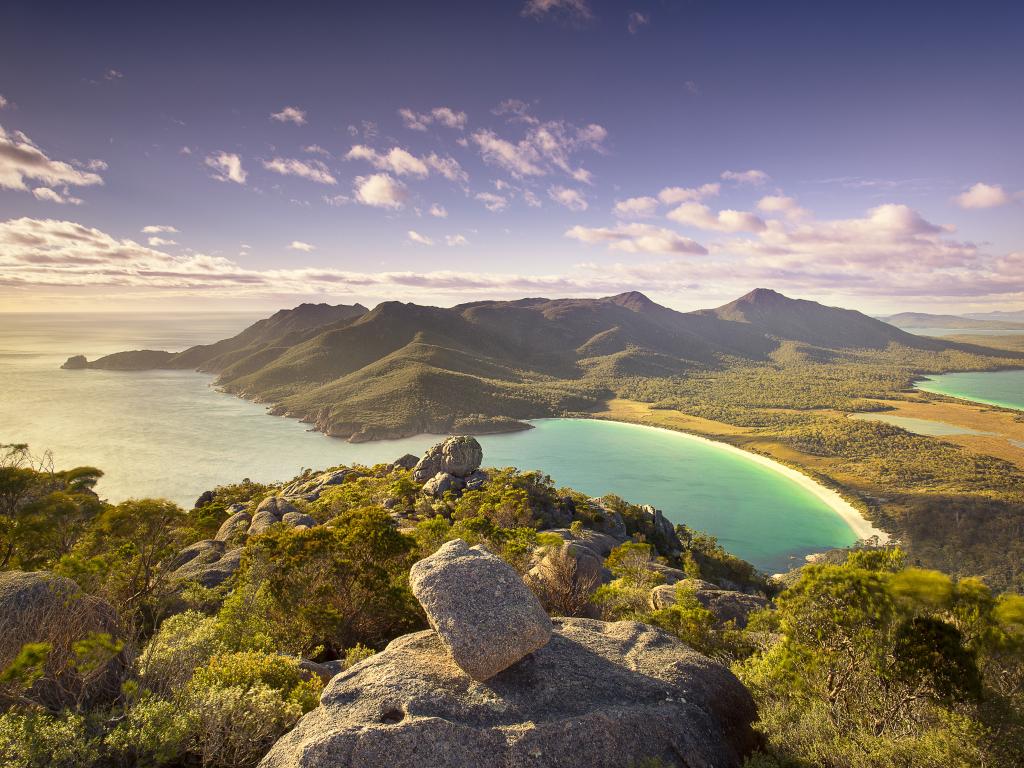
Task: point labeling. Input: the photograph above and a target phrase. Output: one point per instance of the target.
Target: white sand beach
(852, 516)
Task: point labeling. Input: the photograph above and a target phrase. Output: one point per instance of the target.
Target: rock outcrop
(596, 696)
(210, 563)
(459, 456)
(234, 526)
(40, 607)
(76, 363)
(482, 611)
(725, 604)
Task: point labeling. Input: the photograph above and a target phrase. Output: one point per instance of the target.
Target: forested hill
(403, 369)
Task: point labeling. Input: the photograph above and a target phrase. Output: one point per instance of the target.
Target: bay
(171, 434)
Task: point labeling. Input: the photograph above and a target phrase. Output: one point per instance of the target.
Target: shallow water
(965, 331)
(169, 433)
(920, 426)
(1005, 388)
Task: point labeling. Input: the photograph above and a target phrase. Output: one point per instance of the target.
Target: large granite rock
(405, 461)
(459, 456)
(596, 696)
(40, 607)
(485, 615)
(210, 563)
(234, 526)
(440, 484)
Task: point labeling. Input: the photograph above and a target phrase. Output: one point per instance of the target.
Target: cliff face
(486, 366)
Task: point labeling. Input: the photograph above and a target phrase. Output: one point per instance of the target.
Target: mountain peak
(633, 300)
(763, 296)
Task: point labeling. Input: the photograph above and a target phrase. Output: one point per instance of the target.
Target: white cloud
(401, 162)
(380, 190)
(636, 20)
(531, 199)
(782, 205)
(396, 160)
(516, 110)
(3, 101)
(314, 170)
(573, 9)
(439, 211)
(158, 241)
(518, 159)
(700, 216)
(544, 148)
(492, 202)
(456, 240)
(673, 195)
(753, 176)
(419, 239)
(637, 238)
(337, 200)
(889, 252)
(983, 195)
(227, 167)
(570, 198)
(21, 159)
(290, 115)
(113, 74)
(52, 196)
(636, 207)
(156, 229)
(316, 149)
(298, 245)
(420, 121)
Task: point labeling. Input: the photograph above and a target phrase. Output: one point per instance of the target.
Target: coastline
(961, 396)
(849, 514)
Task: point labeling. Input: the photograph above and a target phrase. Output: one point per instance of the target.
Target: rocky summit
(599, 695)
(482, 611)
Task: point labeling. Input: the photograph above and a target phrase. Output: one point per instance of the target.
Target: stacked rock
(484, 614)
(451, 465)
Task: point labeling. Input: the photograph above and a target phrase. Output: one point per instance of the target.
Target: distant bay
(1003, 388)
(169, 433)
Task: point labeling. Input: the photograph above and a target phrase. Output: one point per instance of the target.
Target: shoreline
(849, 514)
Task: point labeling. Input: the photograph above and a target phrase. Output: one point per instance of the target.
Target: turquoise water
(1005, 388)
(170, 434)
(965, 331)
(920, 426)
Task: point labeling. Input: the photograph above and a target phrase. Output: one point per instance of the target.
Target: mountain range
(402, 369)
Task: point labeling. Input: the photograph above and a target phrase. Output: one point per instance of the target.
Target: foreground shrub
(42, 740)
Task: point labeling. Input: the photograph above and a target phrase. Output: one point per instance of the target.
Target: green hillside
(403, 369)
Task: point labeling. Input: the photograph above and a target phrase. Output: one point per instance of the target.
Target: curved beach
(860, 525)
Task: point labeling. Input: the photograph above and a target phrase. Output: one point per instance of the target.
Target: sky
(221, 156)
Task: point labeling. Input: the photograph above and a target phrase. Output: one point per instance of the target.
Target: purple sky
(245, 157)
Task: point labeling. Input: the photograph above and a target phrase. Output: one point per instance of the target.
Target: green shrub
(36, 739)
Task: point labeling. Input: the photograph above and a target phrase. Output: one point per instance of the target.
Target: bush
(334, 585)
(42, 740)
(252, 669)
(235, 727)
